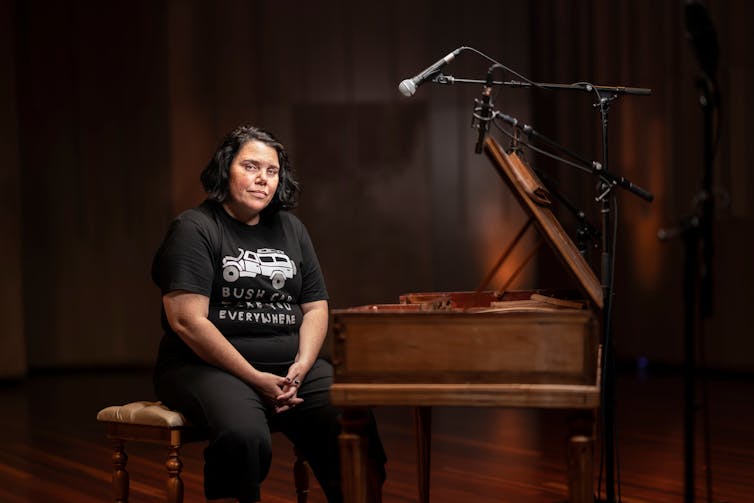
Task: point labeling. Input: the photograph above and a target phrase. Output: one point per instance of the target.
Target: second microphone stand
(608, 182)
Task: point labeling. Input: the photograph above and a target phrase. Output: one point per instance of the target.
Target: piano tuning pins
(443, 303)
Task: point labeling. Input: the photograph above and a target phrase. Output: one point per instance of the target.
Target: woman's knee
(245, 437)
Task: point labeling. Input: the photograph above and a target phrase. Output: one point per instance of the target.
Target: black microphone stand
(605, 95)
(608, 375)
(709, 100)
(697, 233)
(605, 187)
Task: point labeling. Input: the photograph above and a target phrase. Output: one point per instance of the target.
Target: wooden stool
(154, 423)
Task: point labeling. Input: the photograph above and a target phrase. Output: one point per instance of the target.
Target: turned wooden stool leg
(301, 476)
(175, 484)
(120, 475)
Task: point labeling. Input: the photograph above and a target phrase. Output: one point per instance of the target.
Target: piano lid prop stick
(504, 256)
(499, 293)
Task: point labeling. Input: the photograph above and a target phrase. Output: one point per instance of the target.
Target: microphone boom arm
(440, 78)
(593, 167)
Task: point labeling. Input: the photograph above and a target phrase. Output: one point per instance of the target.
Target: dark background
(112, 109)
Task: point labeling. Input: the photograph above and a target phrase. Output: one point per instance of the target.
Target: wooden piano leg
(353, 455)
(423, 424)
(581, 458)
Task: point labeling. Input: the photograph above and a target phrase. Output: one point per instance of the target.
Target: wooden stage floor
(53, 450)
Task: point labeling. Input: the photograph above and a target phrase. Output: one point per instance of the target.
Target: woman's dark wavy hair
(215, 176)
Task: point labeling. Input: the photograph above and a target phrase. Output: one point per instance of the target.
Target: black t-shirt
(256, 278)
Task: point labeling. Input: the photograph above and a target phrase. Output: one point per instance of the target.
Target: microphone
(485, 113)
(408, 86)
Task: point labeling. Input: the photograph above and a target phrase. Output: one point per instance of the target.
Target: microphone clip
(483, 112)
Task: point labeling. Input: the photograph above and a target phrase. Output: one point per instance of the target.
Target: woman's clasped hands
(279, 391)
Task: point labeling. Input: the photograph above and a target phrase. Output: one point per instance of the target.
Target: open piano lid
(533, 199)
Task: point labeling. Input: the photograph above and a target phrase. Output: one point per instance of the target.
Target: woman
(245, 315)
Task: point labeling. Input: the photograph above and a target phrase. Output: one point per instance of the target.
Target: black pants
(238, 423)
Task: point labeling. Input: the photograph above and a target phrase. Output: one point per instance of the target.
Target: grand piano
(536, 349)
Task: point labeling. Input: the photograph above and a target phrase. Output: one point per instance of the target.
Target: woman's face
(253, 180)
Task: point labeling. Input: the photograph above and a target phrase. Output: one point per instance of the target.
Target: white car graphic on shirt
(268, 262)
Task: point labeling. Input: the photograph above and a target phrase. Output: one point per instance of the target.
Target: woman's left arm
(311, 337)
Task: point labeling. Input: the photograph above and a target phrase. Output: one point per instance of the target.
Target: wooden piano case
(486, 348)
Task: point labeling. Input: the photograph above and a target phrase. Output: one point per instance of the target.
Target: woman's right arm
(187, 314)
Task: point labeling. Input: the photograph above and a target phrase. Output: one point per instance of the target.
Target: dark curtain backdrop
(114, 109)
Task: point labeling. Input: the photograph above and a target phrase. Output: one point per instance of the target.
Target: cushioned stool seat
(153, 422)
